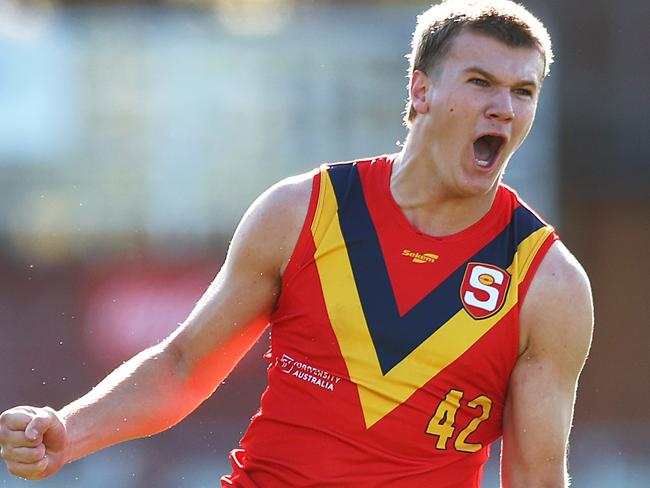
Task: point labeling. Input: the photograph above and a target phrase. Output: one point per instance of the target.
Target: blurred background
(133, 136)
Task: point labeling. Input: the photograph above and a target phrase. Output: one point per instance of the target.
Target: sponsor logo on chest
(420, 258)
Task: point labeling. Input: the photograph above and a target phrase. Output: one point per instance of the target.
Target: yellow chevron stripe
(527, 250)
(380, 394)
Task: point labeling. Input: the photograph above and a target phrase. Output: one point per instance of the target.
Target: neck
(428, 202)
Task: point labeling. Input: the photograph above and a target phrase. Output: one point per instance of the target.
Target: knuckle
(4, 416)
(5, 452)
(49, 411)
(14, 418)
(36, 455)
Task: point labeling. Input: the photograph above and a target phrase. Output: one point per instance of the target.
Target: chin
(475, 187)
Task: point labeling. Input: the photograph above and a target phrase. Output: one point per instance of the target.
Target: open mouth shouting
(487, 149)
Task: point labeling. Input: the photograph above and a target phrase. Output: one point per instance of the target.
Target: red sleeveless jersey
(391, 350)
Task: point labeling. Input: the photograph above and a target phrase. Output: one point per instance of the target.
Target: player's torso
(391, 350)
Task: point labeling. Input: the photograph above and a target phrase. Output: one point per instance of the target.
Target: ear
(419, 91)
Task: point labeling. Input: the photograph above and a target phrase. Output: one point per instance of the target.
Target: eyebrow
(492, 78)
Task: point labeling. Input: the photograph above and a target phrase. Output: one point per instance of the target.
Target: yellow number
(486, 406)
(442, 422)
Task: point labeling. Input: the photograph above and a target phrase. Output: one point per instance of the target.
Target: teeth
(482, 163)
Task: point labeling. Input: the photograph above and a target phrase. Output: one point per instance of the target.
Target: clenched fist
(32, 442)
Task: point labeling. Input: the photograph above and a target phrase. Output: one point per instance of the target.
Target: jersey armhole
(534, 265)
(304, 244)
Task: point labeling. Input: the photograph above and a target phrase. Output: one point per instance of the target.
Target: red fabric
(310, 429)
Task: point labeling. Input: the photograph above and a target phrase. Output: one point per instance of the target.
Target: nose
(500, 107)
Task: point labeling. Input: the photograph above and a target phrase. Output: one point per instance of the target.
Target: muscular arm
(556, 324)
(163, 384)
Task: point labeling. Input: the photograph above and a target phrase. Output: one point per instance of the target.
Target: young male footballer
(420, 310)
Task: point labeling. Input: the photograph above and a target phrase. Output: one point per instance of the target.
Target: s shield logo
(484, 289)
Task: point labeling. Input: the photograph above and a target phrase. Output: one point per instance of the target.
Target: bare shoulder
(560, 275)
(289, 197)
(270, 227)
(557, 315)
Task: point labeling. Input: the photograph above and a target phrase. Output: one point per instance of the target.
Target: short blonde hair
(503, 20)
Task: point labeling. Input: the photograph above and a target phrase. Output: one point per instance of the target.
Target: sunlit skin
(481, 87)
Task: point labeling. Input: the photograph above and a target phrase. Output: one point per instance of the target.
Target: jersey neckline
(472, 231)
